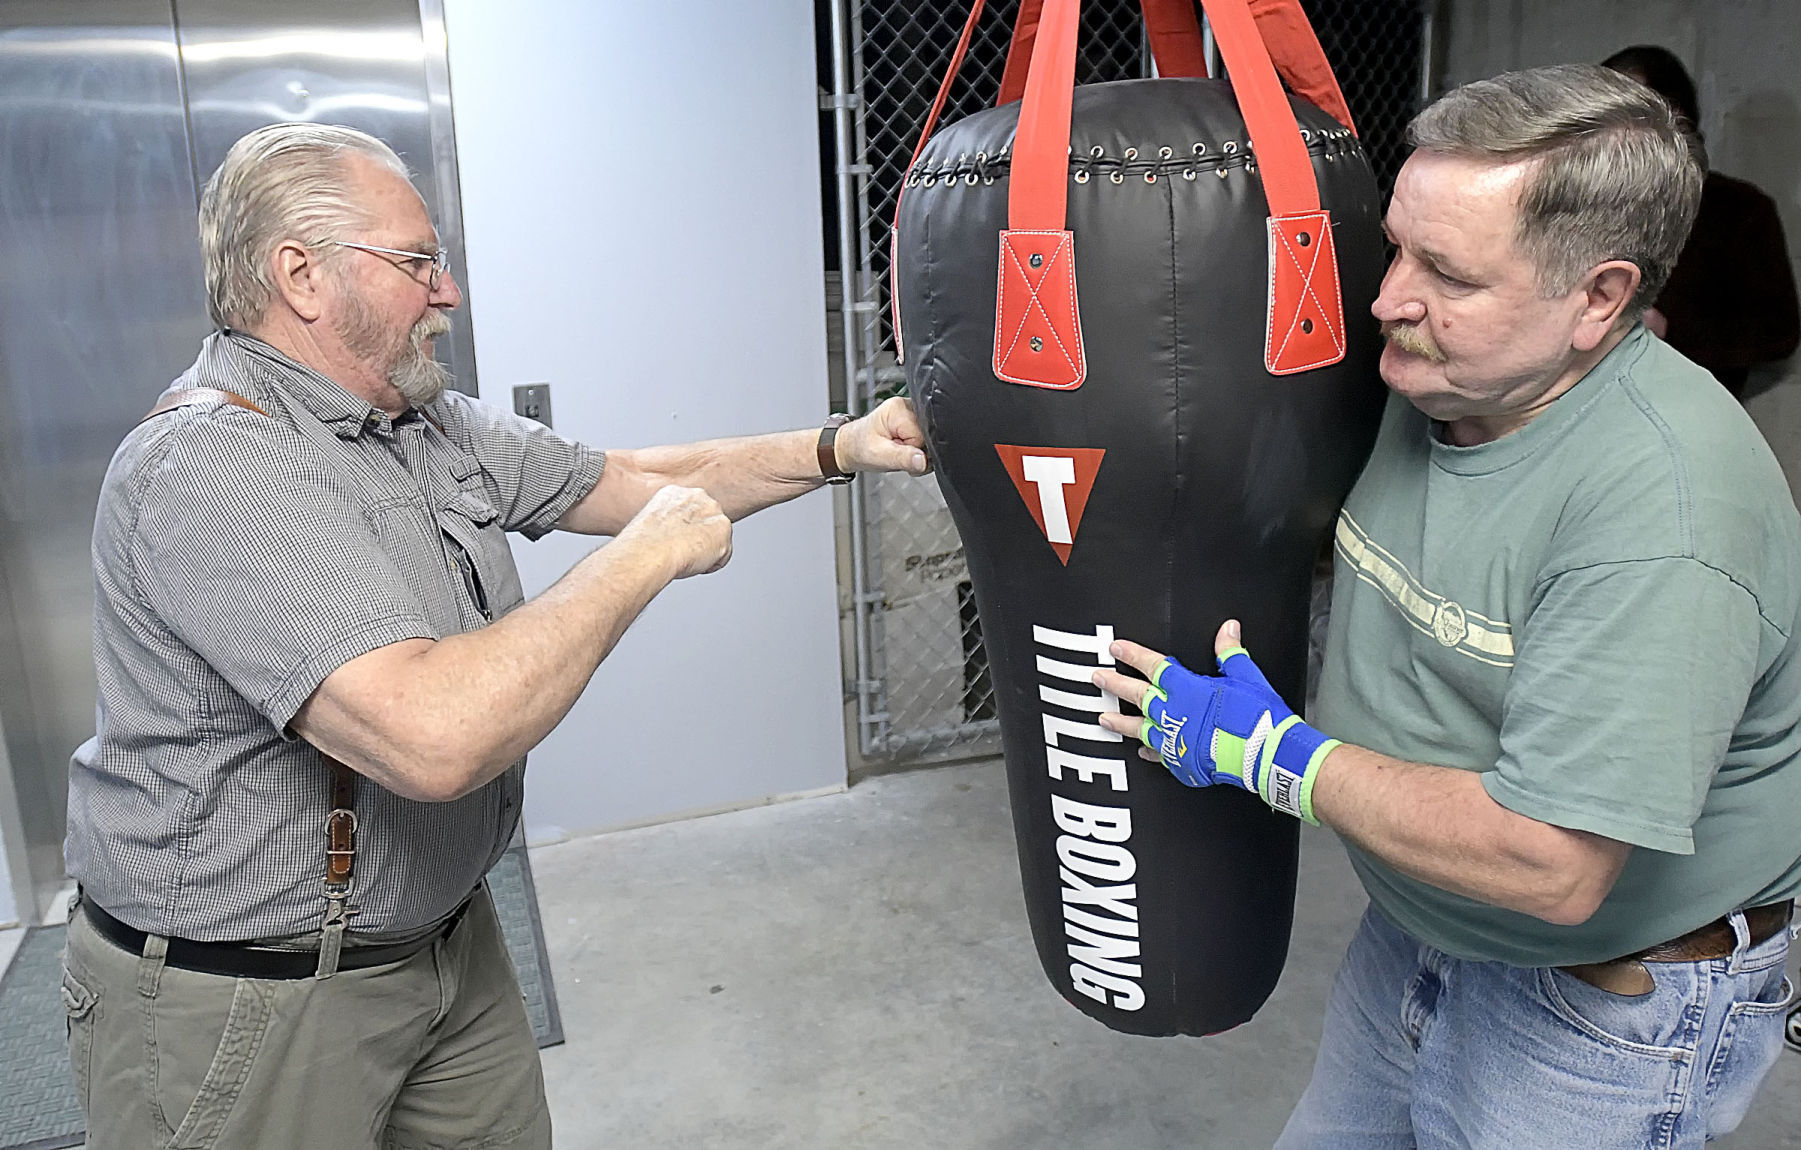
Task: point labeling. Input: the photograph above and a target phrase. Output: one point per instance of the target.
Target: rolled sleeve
(1630, 680)
(251, 551)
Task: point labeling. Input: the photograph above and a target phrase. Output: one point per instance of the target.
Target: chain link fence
(921, 680)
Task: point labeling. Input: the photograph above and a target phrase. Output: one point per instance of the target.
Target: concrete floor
(855, 972)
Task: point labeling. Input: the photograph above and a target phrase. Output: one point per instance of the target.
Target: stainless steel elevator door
(101, 305)
(112, 112)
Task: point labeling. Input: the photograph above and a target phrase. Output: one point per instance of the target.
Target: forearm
(744, 474)
(1438, 825)
(436, 720)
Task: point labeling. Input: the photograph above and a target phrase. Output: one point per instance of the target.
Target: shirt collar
(1550, 425)
(347, 415)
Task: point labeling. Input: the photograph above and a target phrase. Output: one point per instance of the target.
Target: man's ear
(1606, 291)
(299, 279)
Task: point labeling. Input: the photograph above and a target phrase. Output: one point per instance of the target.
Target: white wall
(1742, 56)
(640, 189)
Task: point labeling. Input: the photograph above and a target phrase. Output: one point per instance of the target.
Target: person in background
(1730, 304)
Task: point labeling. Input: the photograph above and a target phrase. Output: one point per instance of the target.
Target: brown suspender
(187, 396)
(340, 825)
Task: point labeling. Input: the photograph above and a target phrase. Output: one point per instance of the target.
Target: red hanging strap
(1175, 37)
(1297, 54)
(1019, 52)
(1304, 318)
(944, 91)
(1177, 46)
(1275, 137)
(1038, 175)
(1038, 338)
(1037, 328)
(1170, 25)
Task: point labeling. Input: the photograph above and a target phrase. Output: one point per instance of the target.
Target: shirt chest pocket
(476, 550)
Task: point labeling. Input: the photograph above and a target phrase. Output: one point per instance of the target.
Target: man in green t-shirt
(1564, 663)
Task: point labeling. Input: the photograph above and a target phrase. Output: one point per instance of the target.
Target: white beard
(408, 368)
(415, 374)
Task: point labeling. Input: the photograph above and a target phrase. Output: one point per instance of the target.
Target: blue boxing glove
(1233, 728)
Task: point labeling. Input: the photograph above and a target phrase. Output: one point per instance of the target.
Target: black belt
(243, 960)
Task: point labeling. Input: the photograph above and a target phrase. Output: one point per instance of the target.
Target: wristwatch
(828, 449)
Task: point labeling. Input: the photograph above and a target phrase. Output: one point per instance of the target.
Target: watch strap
(828, 449)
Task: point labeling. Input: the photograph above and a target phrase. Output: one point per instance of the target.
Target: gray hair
(280, 182)
(1616, 174)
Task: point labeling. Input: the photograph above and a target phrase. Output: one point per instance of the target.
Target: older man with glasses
(319, 679)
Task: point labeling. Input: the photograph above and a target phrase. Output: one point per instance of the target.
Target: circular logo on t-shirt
(1449, 624)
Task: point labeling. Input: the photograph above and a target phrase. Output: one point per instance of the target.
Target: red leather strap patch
(1306, 309)
(1037, 332)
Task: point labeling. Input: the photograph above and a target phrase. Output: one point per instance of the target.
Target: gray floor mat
(37, 1102)
(516, 901)
(38, 1110)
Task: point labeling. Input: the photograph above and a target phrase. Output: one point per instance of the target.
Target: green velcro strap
(1228, 755)
(1144, 733)
(1229, 652)
(1312, 776)
(1157, 674)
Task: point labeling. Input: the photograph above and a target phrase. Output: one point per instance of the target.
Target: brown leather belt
(1627, 974)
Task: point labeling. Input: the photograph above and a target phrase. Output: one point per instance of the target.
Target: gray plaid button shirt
(238, 560)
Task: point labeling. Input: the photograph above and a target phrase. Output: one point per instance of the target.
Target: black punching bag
(1144, 424)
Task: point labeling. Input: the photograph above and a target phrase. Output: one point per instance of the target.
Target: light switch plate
(532, 400)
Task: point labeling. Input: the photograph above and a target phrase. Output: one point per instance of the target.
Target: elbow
(433, 787)
(438, 770)
(1572, 909)
(1570, 893)
(1560, 875)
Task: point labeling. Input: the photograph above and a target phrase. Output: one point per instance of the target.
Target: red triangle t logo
(1054, 482)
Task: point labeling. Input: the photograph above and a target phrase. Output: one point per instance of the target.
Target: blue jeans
(1424, 1050)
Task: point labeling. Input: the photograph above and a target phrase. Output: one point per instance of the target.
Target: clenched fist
(688, 526)
(887, 439)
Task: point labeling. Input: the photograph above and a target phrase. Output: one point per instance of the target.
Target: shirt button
(372, 420)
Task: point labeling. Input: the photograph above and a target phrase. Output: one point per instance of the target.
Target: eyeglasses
(438, 260)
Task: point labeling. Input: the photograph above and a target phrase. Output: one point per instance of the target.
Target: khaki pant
(432, 1052)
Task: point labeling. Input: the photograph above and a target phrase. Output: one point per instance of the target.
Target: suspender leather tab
(340, 865)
